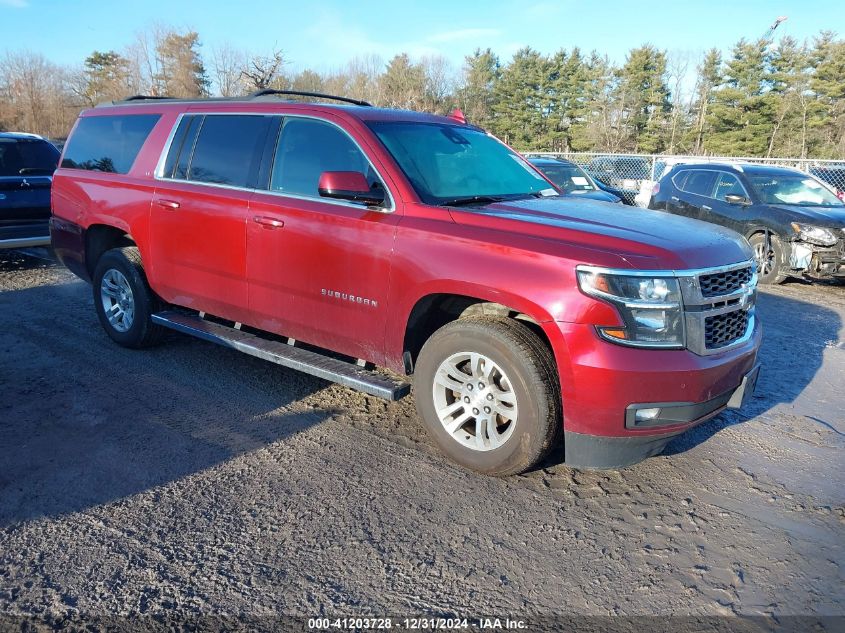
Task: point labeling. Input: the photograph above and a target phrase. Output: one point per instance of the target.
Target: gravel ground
(189, 479)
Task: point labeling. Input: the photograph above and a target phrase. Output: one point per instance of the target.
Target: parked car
(571, 179)
(334, 238)
(27, 163)
(621, 175)
(833, 176)
(662, 166)
(794, 223)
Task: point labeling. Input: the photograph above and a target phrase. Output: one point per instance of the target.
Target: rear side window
(227, 151)
(22, 157)
(700, 182)
(108, 143)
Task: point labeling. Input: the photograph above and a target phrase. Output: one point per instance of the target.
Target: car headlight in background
(650, 307)
(814, 234)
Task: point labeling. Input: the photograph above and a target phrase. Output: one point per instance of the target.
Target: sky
(324, 35)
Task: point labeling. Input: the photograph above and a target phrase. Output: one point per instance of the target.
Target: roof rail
(298, 93)
(145, 97)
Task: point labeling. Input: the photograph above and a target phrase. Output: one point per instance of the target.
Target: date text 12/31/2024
(416, 624)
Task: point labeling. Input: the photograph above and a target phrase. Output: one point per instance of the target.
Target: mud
(189, 479)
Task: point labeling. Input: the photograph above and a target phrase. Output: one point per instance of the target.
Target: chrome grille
(723, 329)
(724, 283)
(718, 306)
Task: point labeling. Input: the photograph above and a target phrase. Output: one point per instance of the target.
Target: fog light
(644, 415)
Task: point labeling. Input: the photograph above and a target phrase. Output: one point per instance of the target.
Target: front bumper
(820, 262)
(601, 382)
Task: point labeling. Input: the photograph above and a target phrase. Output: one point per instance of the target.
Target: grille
(724, 329)
(724, 283)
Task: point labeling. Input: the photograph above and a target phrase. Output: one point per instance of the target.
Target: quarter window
(108, 143)
(307, 148)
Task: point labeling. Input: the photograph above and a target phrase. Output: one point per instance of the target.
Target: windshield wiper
(467, 200)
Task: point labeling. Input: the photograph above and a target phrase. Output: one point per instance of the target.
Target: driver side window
(307, 148)
(728, 185)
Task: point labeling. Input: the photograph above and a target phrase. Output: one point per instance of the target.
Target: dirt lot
(190, 479)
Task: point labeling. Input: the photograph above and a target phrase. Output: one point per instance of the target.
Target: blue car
(572, 180)
(27, 163)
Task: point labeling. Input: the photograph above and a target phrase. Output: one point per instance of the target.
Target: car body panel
(348, 278)
(25, 197)
(760, 217)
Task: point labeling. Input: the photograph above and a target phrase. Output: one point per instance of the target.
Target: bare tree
(262, 71)
(228, 66)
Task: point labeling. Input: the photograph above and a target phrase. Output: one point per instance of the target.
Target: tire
(120, 288)
(519, 368)
(774, 263)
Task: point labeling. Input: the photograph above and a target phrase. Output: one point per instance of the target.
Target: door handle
(675, 198)
(706, 208)
(167, 204)
(268, 222)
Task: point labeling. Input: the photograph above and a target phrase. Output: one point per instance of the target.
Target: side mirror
(733, 198)
(349, 185)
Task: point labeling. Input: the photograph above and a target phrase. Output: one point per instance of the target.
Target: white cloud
(463, 34)
(15, 4)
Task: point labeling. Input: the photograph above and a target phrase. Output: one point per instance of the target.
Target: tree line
(783, 99)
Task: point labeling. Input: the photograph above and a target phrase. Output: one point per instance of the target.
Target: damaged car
(794, 223)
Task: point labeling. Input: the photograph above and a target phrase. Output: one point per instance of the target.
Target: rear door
(695, 199)
(200, 210)
(318, 269)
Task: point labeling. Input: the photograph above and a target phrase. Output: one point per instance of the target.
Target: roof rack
(145, 97)
(298, 93)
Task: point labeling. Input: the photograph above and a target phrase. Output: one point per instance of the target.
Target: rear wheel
(769, 258)
(123, 299)
(488, 393)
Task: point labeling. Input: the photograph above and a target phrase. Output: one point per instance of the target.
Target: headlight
(814, 234)
(651, 307)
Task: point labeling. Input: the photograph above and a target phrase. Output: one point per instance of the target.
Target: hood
(604, 196)
(642, 238)
(830, 217)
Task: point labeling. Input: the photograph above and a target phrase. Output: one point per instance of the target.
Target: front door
(733, 216)
(319, 269)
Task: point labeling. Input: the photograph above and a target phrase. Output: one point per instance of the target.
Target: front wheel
(769, 260)
(487, 391)
(123, 299)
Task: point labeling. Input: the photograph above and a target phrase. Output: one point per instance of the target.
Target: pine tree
(476, 95)
(522, 101)
(181, 72)
(106, 77)
(828, 84)
(742, 115)
(709, 77)
(643, 99)
(403, 83)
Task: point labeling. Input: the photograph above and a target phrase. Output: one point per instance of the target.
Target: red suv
(337, 238)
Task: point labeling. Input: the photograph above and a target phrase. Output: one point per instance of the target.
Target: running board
(306, 361)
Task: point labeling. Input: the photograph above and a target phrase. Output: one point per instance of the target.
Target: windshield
(793, 189)
(447, 163)
(21, 157)
(569, 178)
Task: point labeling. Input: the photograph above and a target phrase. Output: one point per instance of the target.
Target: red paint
(347, 278)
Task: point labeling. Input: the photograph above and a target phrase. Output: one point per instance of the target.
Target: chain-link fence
(631, 176)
